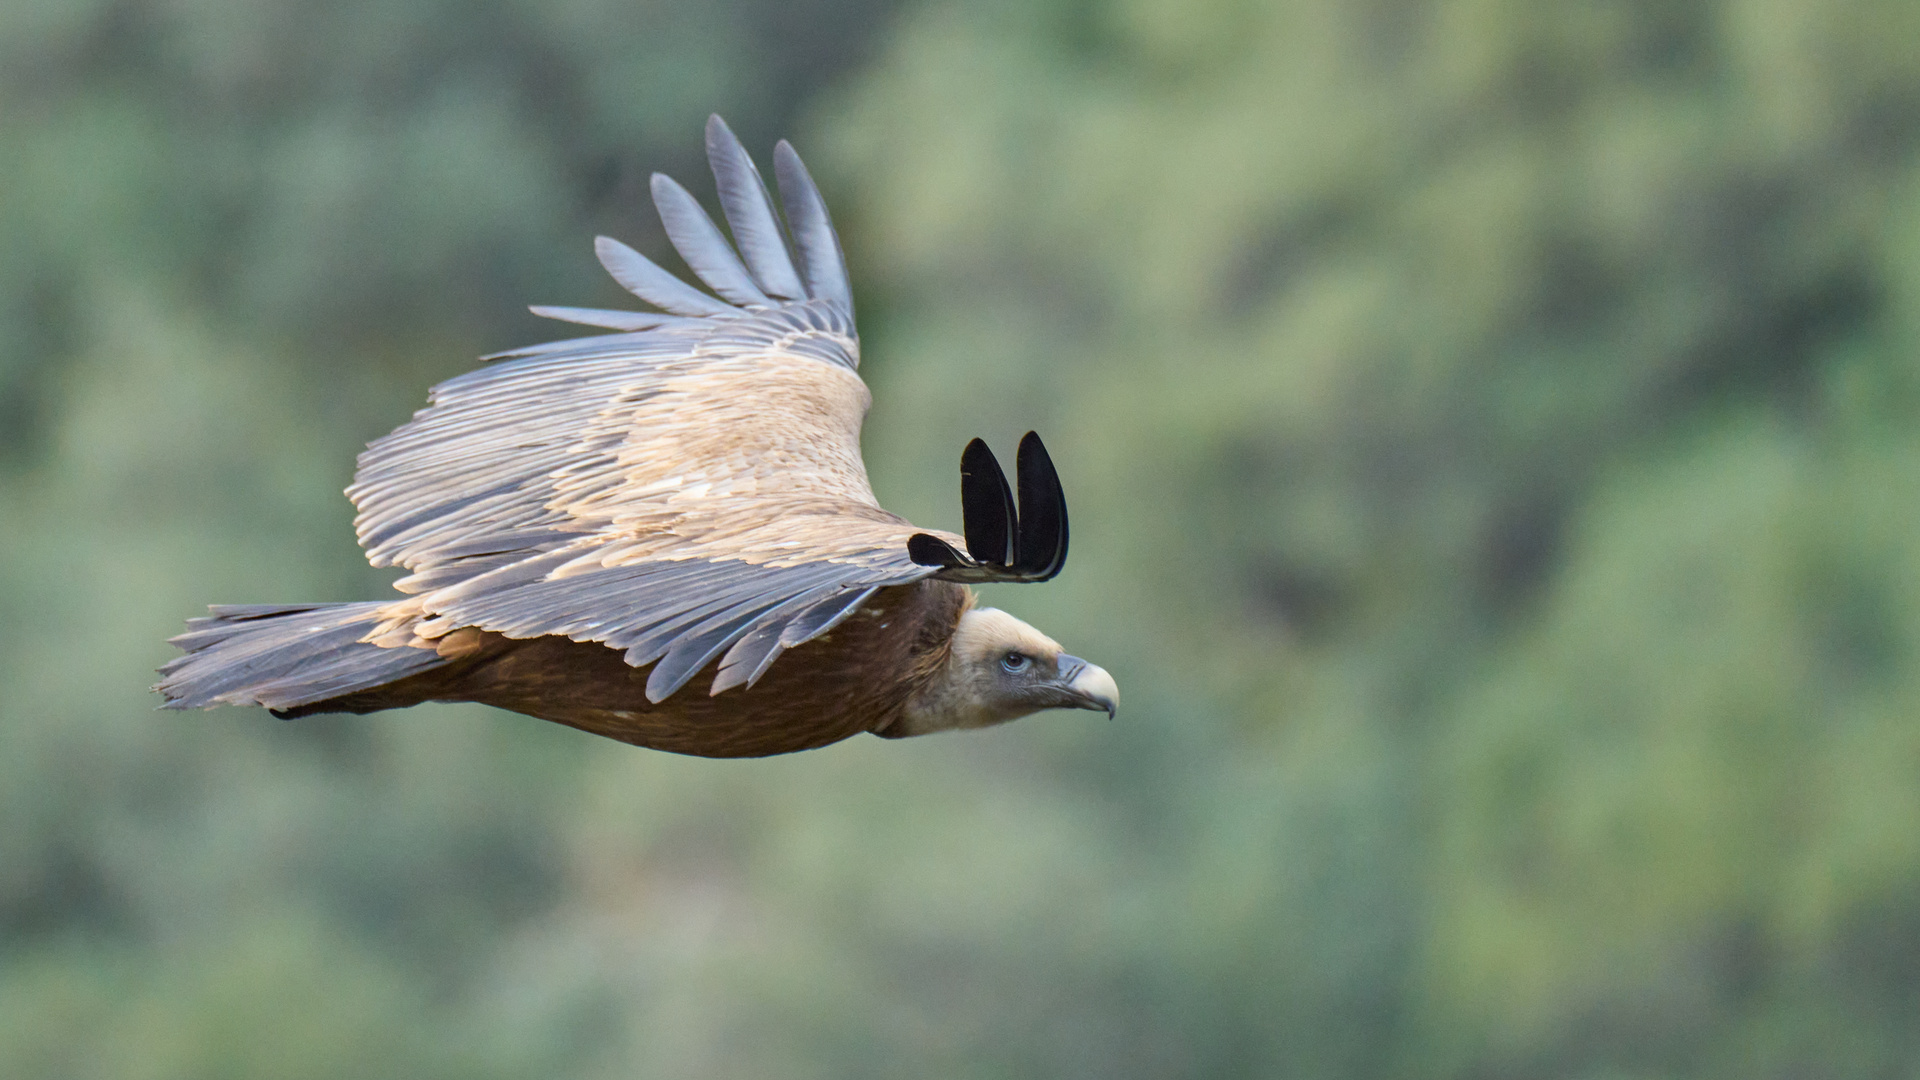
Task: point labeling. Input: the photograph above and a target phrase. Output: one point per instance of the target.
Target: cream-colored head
(1000, 669)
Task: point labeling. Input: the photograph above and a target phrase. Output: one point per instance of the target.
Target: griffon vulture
(591, 524)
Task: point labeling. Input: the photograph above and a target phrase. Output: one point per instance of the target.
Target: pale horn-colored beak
(1088, 686)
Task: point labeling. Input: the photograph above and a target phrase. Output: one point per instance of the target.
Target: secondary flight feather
(591, 524)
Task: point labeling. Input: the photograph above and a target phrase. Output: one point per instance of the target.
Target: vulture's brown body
(856, 679)
(593, 524)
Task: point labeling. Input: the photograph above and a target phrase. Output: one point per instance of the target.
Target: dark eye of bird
(1015, 663)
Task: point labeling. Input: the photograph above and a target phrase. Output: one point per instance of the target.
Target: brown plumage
(591, 524)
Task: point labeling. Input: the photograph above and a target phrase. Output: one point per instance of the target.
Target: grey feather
(823, 616)
(756, 650)
(711, 602)
(452, 573)
(697, 645)
(612, 320)
(676, 615)
(282, 657)
(505, 543)
(749, 659)
(566, 346)
(699, 242)
(819, 246)
(638, 275)
(694, 613)
(693, 652)
(750, 213)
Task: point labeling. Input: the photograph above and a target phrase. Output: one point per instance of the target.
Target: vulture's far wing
(687, 488)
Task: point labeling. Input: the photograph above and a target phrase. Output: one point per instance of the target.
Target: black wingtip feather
(1042, 539)
(932, 551)
(1004, 543)
(986, 505)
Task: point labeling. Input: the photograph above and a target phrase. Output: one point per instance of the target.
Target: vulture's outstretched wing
(687, 488)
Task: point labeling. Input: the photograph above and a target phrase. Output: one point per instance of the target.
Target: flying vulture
(593, 524)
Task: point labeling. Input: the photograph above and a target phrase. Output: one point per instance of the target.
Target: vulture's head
(999, 669)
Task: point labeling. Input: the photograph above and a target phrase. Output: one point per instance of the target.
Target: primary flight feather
(592, 524)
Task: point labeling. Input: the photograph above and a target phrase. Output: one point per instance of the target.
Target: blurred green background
(1493, 435)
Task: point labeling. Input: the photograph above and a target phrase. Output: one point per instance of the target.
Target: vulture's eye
(1015, 663)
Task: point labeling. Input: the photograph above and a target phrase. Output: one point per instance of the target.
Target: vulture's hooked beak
(1087, 686)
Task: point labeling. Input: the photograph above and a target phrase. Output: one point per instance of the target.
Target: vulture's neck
(957, 694)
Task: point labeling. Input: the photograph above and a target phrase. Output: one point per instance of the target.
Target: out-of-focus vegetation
(1493, 432)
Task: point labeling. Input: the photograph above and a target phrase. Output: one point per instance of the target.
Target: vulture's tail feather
(283, 657)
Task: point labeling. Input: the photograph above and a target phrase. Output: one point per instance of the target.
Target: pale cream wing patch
(673, 494)
(696, 427)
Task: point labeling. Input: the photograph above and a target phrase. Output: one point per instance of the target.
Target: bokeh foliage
(1492, 432)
